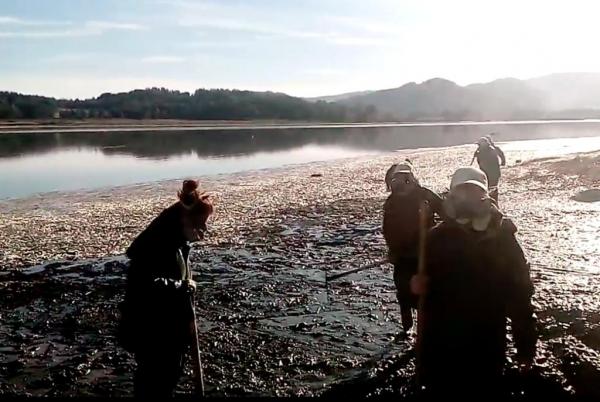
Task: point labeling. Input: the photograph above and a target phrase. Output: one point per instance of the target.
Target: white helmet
(469, 175)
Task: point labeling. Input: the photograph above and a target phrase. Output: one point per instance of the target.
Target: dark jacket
(489, 159)
(156, 311)
(476, 281)
(401, 222)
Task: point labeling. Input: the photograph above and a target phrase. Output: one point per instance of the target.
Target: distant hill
(441, 99)
(553, 96)
(337, 98)
(566, 95)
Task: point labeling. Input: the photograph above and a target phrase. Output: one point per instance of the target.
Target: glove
(189, 286)
(166, 283)
(418, 284)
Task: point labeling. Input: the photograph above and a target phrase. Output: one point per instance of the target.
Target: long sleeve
(388, 229)
(475, 156)
(435, 201)
(501, 155)
(519, 307)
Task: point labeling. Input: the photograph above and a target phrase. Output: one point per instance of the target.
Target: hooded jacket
(476, 281)
(156, 311)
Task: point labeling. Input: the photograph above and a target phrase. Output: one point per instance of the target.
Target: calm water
(36, 163)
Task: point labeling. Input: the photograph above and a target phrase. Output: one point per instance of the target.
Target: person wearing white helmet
(476, 276)
(401, 230)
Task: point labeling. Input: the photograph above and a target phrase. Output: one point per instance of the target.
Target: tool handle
(421, 270)
(186, 273)
(196, 360)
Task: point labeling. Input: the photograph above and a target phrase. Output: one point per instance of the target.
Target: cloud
(42, 34)
(103, 26)
(74, 57)
(365, 25)
(163, 59)
(359, 41)
(275, 24)
(332, 37)
(216, 44)
(88, 28)
(8, 20)
(232, 24)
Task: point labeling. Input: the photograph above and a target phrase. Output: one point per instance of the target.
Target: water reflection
(32, 163)
(218, 143)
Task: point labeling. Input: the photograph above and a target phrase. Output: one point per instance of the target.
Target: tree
(203, 104)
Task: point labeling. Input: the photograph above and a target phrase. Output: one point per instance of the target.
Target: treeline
(161, 103)
(17, 106)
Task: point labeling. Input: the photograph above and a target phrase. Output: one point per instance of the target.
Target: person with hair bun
(156, 313)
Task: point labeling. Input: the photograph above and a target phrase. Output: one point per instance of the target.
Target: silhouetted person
(476, 277)
(156, 313)
(401, 230)
(489, 158)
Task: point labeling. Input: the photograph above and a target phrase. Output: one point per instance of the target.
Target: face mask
(468, 211)
(403, 184)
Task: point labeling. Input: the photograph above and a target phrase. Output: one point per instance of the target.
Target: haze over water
(33, 163)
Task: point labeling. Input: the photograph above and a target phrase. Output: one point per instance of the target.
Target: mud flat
(268, 325)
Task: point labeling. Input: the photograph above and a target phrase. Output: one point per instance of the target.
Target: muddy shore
(268, 325)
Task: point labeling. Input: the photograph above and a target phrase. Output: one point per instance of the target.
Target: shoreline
(194, 125)
(136, 204)
(53, 198)
(256, 174)
(253, 174)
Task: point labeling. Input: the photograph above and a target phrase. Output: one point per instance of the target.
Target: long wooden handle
(186, 273)
(196, 360)
(423, 220)
(364, 267)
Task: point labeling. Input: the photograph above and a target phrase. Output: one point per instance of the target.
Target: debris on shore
(268, 325)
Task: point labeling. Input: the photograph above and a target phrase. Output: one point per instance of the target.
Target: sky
(82, 48)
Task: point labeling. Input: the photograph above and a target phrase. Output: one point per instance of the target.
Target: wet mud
(268, 323)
